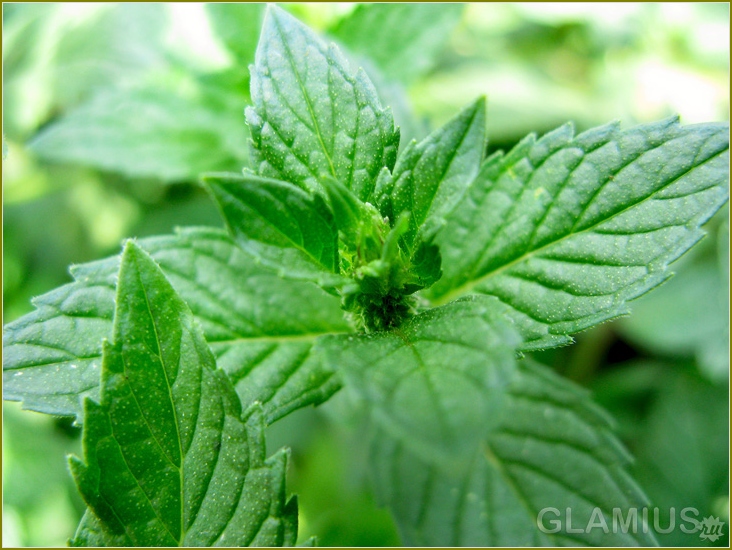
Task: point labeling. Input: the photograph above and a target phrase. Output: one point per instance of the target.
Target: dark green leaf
(148, 133)
(311, 117)
(567, 229)
(169, 458)
(548, 447)
(403, 39)
(260, 327)
(431, 381)
(279, 224)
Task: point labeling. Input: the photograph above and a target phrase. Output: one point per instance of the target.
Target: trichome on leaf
(415, 278)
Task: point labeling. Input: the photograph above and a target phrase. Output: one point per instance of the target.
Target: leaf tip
(131, 251)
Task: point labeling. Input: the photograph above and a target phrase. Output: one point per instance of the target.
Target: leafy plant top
(416, 277)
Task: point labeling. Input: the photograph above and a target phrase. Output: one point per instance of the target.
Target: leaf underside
(260, 327)
(566, 230)
(169, 458)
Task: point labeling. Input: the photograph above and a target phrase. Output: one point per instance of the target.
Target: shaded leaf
(430, 382)
(147, 133)
(687, 317)
(548, 448)
(279, 224)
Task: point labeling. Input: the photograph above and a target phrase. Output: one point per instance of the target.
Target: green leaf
(679, 472)
(147, 133)
(348, 211)
(549, 447)
(115, 46)
(430, 177)
(279, 224)
(687, 317)
(169, 458)
(237, 26)
(260, 327)
(403, 39)
(311, 116)
(567, 229)
(430, 382)
(91, 532)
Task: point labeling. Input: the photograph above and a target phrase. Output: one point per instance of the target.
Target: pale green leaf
(687, 317)
(549, 447)
(403, 39)
(429, 382)
(237, 26)
(678, 471)
(312, 116)
(169, 458)
(566, 230)
(115, 45)
(279, 224)
(260, 327)
(151, 132)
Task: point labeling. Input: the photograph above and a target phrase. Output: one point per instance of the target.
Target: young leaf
(348, 211)
(430, 177)
(549, 448)
(142, 133)
(169, 458)
(403, 39)
(567, 229)
(430, 382)
(279, 224)
(311, 117)
(260, 327)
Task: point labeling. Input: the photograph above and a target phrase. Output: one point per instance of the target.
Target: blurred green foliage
(112, 110)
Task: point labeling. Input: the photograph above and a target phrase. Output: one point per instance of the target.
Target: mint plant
(418, 280)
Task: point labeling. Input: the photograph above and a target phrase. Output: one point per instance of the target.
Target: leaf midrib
(468, 286)
(175, 412)
(318, 133)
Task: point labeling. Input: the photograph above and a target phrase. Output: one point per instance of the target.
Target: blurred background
(110, 112)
